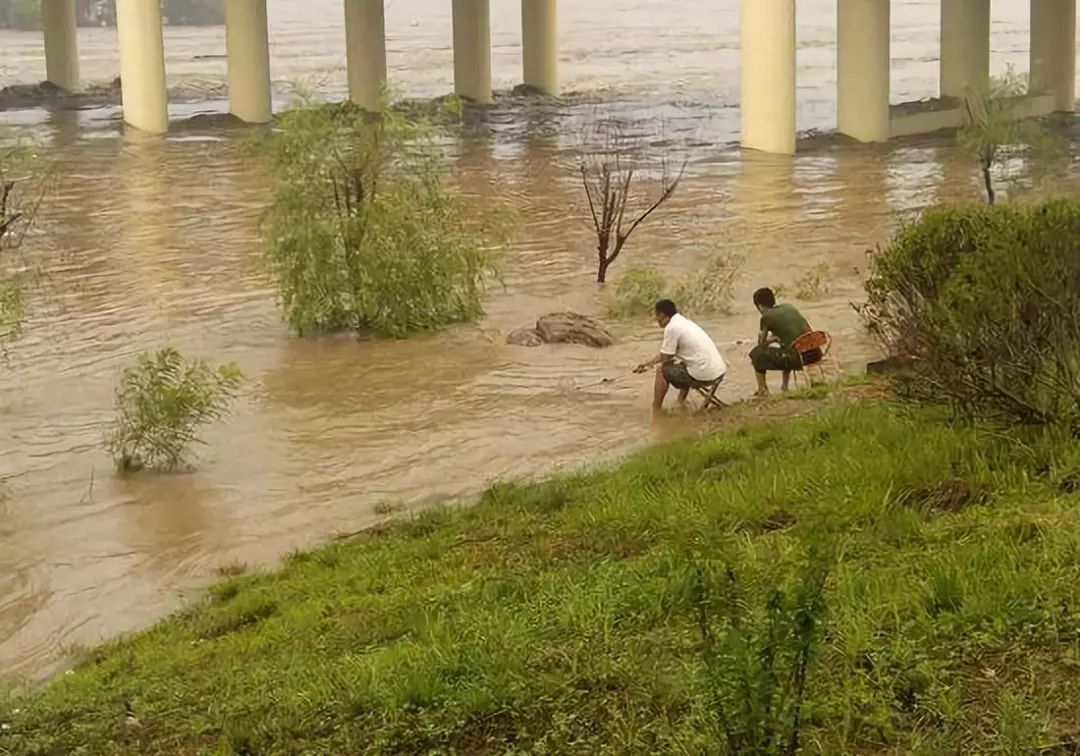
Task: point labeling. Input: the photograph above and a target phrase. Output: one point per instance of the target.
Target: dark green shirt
(785, 323)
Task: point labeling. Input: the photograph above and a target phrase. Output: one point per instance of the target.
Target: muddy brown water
(154, 241)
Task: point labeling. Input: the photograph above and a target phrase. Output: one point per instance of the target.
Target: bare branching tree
(612, 177)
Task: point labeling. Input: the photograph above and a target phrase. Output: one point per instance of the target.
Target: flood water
(147, 242)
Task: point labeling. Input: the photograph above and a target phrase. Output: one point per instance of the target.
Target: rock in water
(571, 328)
(526, 337)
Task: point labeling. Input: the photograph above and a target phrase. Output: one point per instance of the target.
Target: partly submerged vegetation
(870, 579)
(995, 131)
(21, 191)
(162, 402)
(613, 170)
(706, 291)
(26, 14)
(365, 233)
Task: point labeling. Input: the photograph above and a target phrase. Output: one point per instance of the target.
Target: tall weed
(758, 659)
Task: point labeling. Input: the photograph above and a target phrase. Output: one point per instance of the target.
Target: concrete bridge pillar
(61, 43)
(768, 75)
(365, 41)
(247, 42)
(540, 44)
(965, 47)
(1053, 51)
(863, 36)
(142, 65)
(472, 50)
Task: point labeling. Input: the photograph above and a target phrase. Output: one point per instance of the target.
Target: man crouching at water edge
(687, 356)
(781, 327)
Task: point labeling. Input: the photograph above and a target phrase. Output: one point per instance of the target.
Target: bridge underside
(769, 74)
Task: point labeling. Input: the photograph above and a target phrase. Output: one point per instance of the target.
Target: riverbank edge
(115, 678)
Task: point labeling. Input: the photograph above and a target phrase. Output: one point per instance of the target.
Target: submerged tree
(365, 234)
(26, 14)
(20, 198)
(612, 178)
(161, 403)
(20, 14)
(996, 132)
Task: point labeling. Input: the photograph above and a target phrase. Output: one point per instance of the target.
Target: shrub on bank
(365, 234)
(986, 302)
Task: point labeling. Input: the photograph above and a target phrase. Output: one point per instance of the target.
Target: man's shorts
(766, 358)
(676, 374)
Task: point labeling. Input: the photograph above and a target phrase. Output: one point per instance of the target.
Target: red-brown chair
(809, 343)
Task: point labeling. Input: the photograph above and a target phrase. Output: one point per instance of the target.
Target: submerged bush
(995, 132)
(161, 403)
(986, 302)
(26, 14)
(21, 191)
(814, 284)
(706, 291)
(637, 292)
(20, 14)
(364, 234)
(711, 290)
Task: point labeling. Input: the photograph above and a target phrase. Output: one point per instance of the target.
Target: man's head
(665, 311)
(764, 299)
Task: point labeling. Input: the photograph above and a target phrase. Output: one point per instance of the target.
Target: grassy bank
(657, 607)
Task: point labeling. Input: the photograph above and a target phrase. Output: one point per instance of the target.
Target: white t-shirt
(690, 345)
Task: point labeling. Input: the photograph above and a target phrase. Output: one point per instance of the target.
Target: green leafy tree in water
(995, 132)
(364, 234)
(20, 14)
(20, 197)
(161, 403)
(26, 14)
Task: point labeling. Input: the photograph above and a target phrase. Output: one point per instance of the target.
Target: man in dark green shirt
(781, 325)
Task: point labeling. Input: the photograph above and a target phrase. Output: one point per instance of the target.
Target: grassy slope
(560, 617)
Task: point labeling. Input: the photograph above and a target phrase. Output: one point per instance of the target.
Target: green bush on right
(985, 303)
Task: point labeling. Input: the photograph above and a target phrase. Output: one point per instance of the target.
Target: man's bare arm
(659, 359)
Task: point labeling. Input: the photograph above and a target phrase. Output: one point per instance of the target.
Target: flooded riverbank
(153, 241)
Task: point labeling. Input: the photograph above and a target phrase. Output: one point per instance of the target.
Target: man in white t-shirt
(687, 357)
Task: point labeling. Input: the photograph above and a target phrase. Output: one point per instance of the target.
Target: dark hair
(666, 307)
(764, 298)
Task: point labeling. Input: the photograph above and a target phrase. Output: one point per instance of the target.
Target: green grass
(584, 614)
